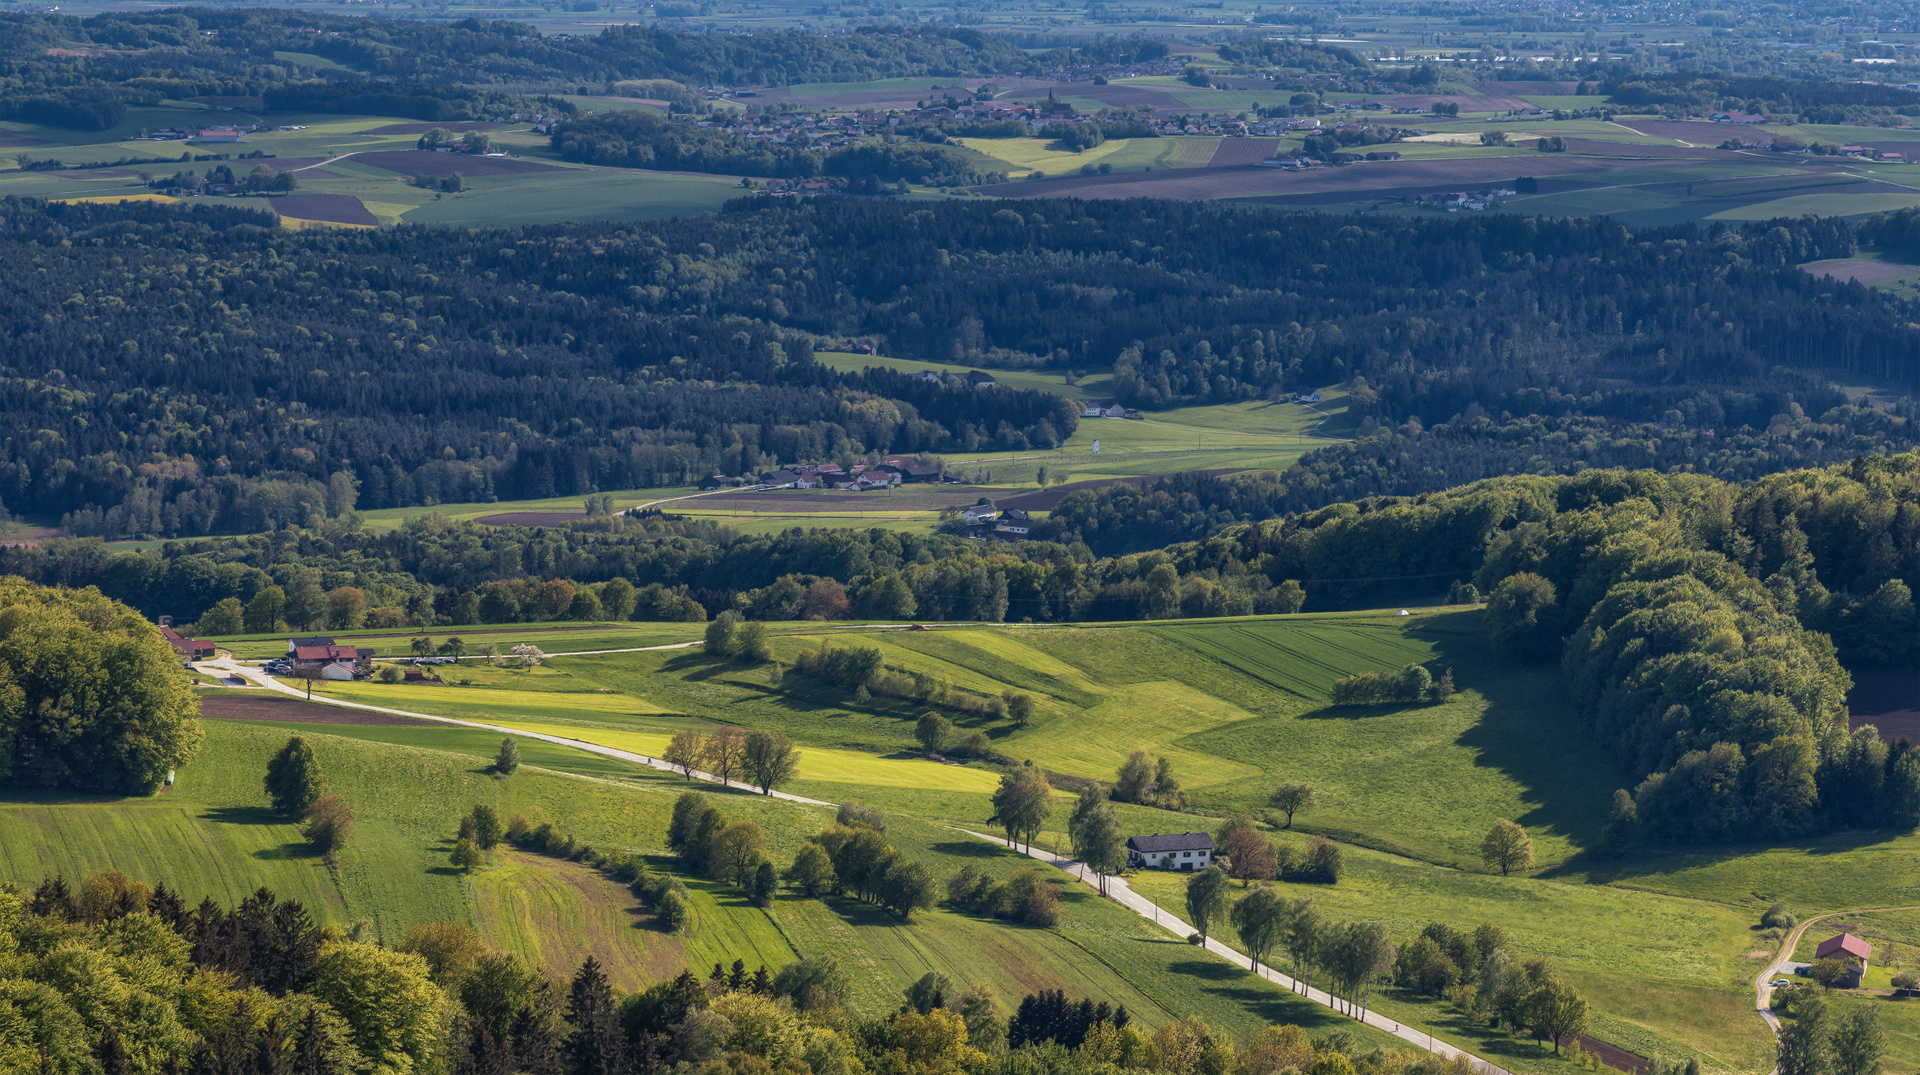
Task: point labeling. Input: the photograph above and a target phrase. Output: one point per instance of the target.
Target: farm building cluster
(857, 478)
(984, 522)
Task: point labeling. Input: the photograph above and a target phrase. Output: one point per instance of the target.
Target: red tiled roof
(325, 653)
(1845, 944)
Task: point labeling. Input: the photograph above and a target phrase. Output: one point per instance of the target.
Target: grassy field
(1028, 155)
(211, 834)
(1238, 706)
(1663, 944)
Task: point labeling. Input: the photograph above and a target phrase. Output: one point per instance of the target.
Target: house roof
(1179, 841)
(325, 653)
(1845, 944)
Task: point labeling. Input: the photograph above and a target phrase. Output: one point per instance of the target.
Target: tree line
(643, 139)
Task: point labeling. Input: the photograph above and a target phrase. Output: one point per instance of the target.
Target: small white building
(1185, 851)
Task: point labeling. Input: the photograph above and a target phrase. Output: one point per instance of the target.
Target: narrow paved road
(229, 666)
(1123, 894)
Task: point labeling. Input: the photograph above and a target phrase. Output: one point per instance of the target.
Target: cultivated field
(355, 171)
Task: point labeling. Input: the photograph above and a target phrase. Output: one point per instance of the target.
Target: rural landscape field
(772, 538)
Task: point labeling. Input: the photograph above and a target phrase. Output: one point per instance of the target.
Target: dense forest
(636, 139)
(262, 378)
(1755, 93)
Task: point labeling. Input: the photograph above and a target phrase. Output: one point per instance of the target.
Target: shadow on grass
(1528, 733)
(1271, 1002)
(1471, 1032)
(970, 849)
(1660, 862)
(695, 666)
(243, 815)
(291, 851)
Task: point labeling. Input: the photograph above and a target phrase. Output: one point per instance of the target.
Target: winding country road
(230, 667)
(1123, 894)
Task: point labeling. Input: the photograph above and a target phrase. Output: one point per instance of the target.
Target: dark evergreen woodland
(261, 378)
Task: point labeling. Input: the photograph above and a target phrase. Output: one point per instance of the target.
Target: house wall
(1176, 860)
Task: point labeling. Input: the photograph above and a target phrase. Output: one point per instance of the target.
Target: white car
(1778, 982)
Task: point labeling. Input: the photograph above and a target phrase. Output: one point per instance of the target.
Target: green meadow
(1664, 944)
(211, 834)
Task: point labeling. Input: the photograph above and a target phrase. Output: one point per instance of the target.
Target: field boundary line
(1122, 893)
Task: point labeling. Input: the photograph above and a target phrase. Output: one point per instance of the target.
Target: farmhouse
(980, 379)
(193, 649)
(1014, 525)
(294, 644)
(335, 662)
(1850, 950)
(1187, 851)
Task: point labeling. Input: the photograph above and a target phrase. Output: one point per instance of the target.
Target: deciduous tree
(1291, 799)
(726, 749)
(770, 758)
(686, 751)
(1021, 803)
(1206, 897)
(1507, 848)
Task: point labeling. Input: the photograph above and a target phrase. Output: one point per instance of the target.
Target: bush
(329, 824)
(1776, 917)
(868, 816)
(847, 667)
(1410, 684)
(674, 911)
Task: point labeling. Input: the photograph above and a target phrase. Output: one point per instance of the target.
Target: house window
(1186, 854)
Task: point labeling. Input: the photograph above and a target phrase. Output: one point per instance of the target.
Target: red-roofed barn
(1850, 950)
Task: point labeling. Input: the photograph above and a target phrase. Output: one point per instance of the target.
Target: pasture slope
(1663, 943)
(1239, 705)
(212, 834)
